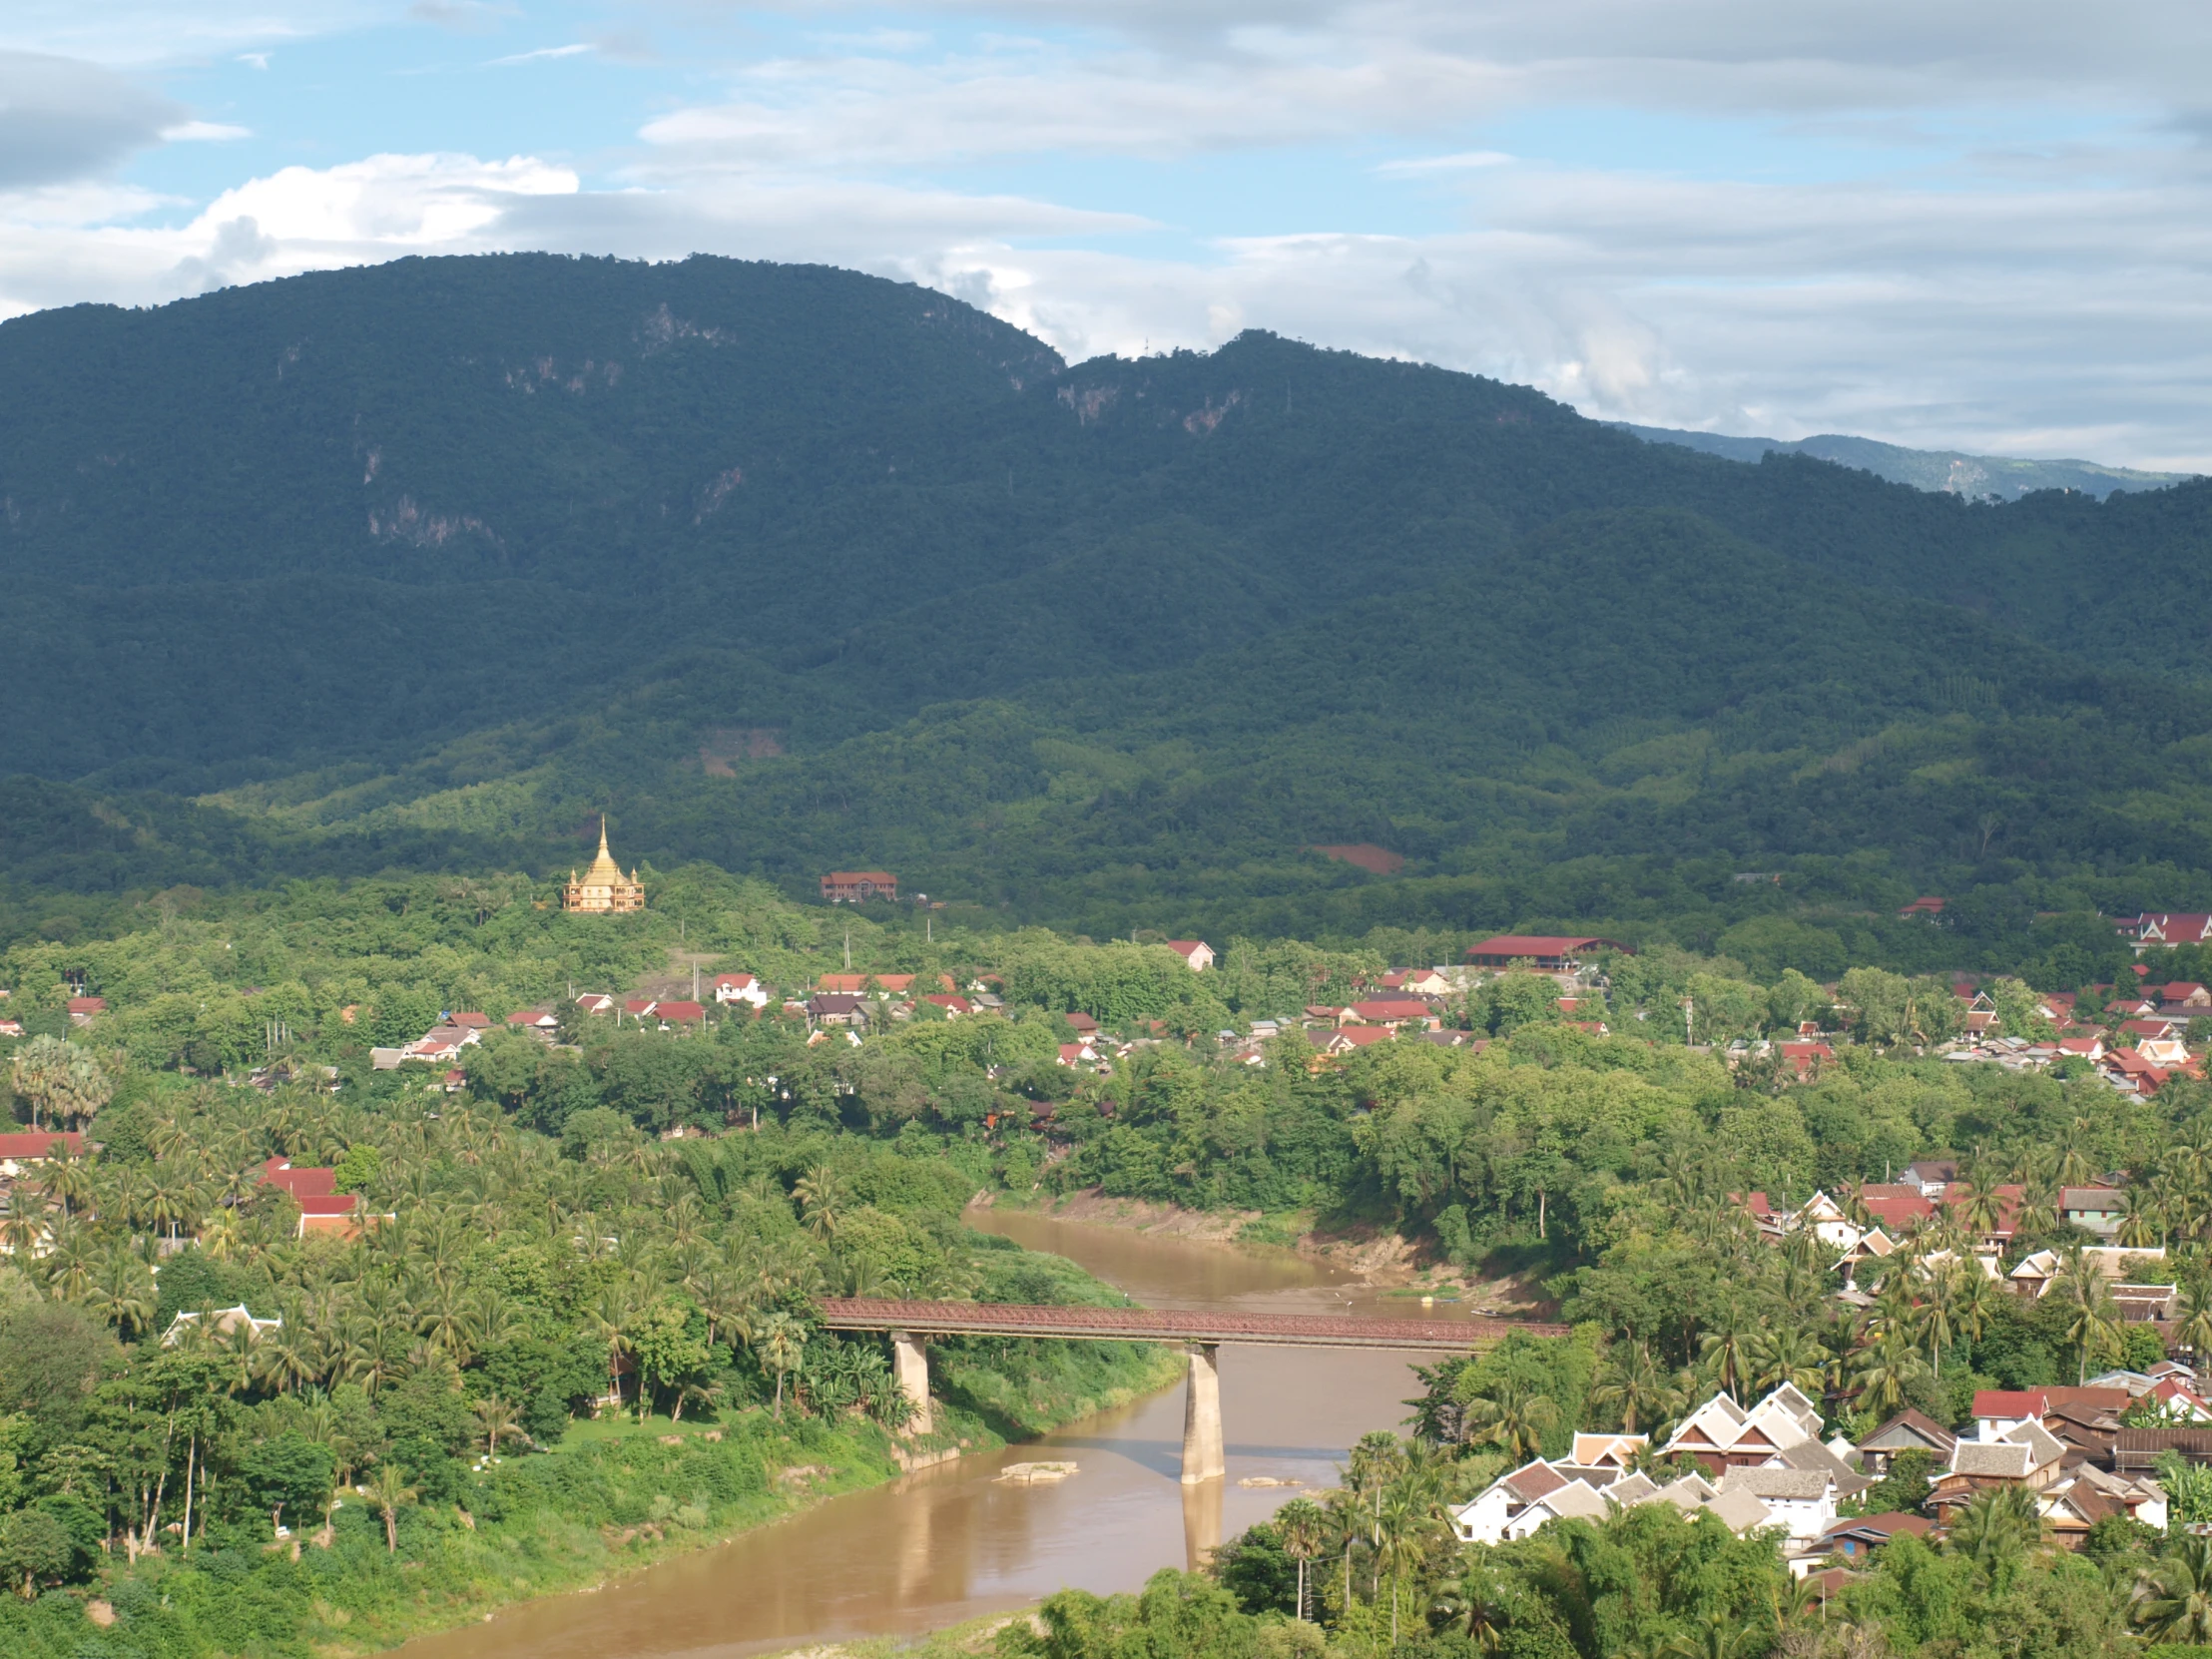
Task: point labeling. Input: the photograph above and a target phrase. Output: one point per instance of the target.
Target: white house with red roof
(740, 987)
(1197, 952)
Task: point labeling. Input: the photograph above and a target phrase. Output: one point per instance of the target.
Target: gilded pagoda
(603, 889)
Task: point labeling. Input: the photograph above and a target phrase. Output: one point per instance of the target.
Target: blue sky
(1973, 225)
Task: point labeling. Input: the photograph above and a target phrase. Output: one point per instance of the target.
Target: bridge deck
(992, 1319)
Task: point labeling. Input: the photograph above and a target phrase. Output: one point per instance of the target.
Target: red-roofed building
(638, 1007)
(18, 1152)
(84, 1010)
(2169, 927)
(596, 1002)
(1197, 952)
(1551, 953)
(470, 1023)
(1895, 1206)
(533, 1019)
(2186, 993)
(1082, 1024)
(954, 1006)
(335, 1213)
(1398, 1010)
(857, 886)
(318, 1181)
(678, 1013)
(1924, 907)
(1806, 1059)
(740, 987)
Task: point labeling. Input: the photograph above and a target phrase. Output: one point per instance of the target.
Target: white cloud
(1414, 166)
(574, 50)
(204, 132)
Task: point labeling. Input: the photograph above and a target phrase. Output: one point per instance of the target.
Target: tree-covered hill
(420, 566)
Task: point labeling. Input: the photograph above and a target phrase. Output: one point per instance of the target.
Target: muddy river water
(951, 1543)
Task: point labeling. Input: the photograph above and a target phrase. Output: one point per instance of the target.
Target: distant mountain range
(424, 565)
(1976, 477)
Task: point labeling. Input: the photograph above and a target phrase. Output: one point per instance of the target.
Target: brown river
(951, 1543)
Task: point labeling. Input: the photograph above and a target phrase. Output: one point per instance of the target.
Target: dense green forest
(419, 567)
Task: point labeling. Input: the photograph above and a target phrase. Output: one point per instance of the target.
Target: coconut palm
(2092, 1323)
(820, 1201)
(1637, 1385)
(2173, 1600)
(1727, 1350)
(1475, 1602)
(496, 1421)
(1791, 1353)
(1882, 1370)
(2143, 1224)
(1514, 1420)
(387, 1492)
(1998, 1526)
(779, 1339)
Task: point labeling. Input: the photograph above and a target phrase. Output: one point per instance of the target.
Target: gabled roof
(1532, 1480)
(1910, 1428)
(1576, 1502)
(1881, 1528)
(1994, 1459)
(1777, 1484)
(40, 1143)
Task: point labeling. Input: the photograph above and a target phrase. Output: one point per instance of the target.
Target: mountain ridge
(1102, 643)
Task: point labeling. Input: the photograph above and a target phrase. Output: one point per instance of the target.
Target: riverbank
(612, 1500)
(1375, 1258)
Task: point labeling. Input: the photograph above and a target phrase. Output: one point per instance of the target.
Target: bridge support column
(1202, 1451)
(911, 1366)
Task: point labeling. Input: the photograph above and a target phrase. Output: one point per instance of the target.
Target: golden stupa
(603, 889)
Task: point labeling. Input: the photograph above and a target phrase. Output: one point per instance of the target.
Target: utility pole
(849, 948)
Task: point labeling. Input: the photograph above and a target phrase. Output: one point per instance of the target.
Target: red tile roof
(40, 1143)
(683, 1014)
(1542, 946)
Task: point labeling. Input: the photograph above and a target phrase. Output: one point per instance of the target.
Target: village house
(954, 1006)
(1402, 1011)
(539, 1020)
(83, 1010)
(2028, 1456)
(843, 1008)
(1909, 1431)
(1550, 953)
(2090, 1494)
(1197, 952)
(596, 1002)
(1856, 1539)
(857, 886)
(740, 987)
(1720, 1434)
(225, 1322)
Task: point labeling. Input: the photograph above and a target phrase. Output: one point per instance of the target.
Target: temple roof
(604, 871)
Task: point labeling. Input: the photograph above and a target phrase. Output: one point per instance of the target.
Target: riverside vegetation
(418, 1424)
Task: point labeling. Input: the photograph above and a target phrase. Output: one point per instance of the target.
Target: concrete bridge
(909, 1322)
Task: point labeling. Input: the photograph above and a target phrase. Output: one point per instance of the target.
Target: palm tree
(2195, 1334)
(1514, 1420)
(2144, 1223)
(779, 1341)
(64, 1180)
(2174, 1598)
(1636, 1383)
(820, 1201)
(2092, 1322)
(1476, 1601)
(1302, 1524)
(1882, 1370)
(1718, 1637)
(1788, 1354)
(1726, 1349)
(387, 1492)
(497, 1421)
(1999, 1526)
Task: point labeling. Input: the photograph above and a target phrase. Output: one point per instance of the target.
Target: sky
(1949, 223)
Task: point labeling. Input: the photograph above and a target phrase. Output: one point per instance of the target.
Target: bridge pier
(1202, 1448)
(910, 1364)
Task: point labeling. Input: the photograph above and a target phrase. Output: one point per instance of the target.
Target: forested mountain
(790, 568)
